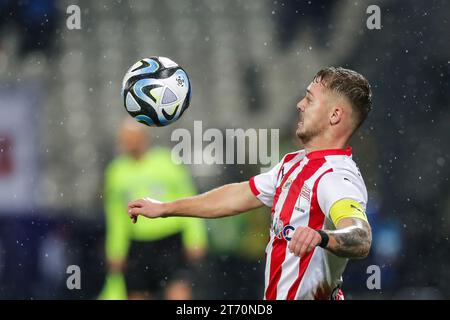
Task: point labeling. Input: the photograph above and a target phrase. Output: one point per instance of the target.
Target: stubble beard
(307, 136)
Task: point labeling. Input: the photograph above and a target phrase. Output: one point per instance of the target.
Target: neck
(137, 155)
(321, 143)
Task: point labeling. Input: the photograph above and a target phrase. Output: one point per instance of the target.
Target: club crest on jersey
(287, 184)
(281, 231)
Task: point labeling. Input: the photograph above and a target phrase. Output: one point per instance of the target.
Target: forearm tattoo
(351, 242)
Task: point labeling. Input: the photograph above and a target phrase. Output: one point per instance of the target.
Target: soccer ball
(156, 91)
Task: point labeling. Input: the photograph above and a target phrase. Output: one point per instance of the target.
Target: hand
(304, 241)
(146, 207)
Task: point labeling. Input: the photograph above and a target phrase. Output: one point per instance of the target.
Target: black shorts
(151, 265)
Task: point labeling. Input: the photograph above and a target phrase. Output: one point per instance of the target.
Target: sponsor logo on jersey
(282, 231)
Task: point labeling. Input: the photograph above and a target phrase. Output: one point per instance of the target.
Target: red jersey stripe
(279, 245)
(316, 220)
(288, 157)
(278, 190)
(253, 186)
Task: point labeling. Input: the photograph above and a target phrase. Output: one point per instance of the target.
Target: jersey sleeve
(263, 185)
(336, 186)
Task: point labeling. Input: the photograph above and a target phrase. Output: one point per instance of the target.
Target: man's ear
(336, 116)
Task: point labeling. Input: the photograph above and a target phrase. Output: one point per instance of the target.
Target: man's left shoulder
(345, 168)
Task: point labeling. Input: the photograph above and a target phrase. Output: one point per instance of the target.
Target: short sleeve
(336, 186)
(263, 185)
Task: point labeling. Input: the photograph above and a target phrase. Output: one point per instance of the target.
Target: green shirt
(154, 176)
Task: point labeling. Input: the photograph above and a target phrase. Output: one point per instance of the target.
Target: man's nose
(300, 106)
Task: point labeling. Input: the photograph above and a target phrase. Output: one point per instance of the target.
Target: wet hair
(351, 85)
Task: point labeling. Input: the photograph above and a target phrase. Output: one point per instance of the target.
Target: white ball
(156, 91)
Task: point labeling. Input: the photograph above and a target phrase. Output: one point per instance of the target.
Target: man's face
(132, 139)
(314, 112)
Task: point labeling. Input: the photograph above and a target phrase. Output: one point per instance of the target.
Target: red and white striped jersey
(301, 189)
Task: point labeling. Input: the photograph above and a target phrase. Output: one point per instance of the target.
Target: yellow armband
(346, 208)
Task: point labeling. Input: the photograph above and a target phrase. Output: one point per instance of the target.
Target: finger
(134, 211)
(293, 242)
(135, 203)
(133, 216)
(297, 249)
(315, 241)
(306, 244)
(130, 214)
(296, 241)
(310, 248)
(298, 244)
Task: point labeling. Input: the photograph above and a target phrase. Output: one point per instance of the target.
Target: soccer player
(317, 195)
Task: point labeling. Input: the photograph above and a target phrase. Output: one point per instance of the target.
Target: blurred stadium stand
(249, 62)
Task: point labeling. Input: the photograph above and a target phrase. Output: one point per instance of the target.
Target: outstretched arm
(227, 200)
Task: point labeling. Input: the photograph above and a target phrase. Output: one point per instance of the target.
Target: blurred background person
(148, 260)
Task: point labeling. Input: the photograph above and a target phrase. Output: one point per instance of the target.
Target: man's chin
(303, 136)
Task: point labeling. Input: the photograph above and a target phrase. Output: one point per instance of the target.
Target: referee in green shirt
(149, 259)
